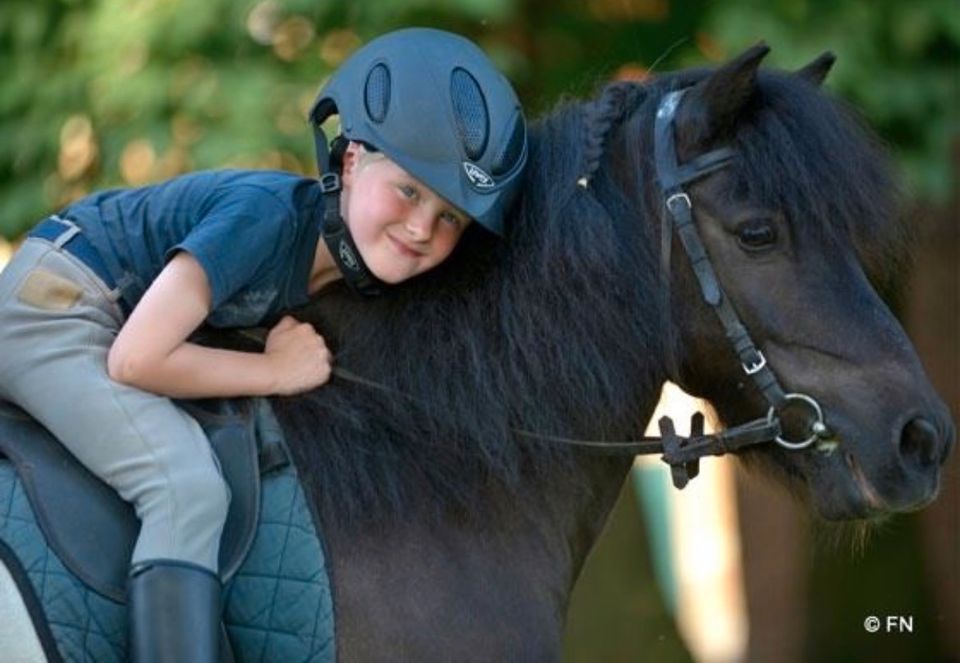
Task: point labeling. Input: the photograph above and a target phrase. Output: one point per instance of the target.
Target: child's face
(401, 227)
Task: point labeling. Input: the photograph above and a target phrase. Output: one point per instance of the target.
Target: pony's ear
(711, 107)
(817, 70)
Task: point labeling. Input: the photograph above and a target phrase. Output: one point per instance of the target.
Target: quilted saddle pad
(277, 607)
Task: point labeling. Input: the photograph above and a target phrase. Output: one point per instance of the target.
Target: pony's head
(801, 228)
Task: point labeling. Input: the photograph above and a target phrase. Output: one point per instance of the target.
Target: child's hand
(299, 355)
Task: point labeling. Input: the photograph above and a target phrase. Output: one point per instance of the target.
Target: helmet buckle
(330, 182)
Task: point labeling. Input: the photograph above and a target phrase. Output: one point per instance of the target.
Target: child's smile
(400, 226)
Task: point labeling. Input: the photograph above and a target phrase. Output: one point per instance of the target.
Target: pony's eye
(756, 235)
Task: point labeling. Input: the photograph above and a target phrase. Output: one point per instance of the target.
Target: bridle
(683, 454)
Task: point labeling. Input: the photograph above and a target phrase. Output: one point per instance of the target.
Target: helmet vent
(511, 150)
(376, 93)
(470, 113)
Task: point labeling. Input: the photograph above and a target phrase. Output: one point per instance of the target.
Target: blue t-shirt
(254, 233)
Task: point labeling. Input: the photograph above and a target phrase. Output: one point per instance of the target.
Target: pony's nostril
(920, 442)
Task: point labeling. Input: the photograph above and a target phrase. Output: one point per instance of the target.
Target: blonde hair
(368, 156)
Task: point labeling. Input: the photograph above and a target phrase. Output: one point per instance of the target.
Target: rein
(683, 454)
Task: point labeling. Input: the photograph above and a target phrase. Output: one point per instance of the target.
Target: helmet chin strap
(337, 236)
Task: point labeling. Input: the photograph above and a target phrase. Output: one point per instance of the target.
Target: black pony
(452, 537)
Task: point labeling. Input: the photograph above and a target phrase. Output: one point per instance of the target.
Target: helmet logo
(477, 176)
(346, 256)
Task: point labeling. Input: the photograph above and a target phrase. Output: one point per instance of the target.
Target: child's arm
(151, 351)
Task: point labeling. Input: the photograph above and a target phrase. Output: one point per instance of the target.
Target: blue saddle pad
(277, 607)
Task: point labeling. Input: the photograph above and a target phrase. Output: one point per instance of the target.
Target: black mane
(556, 329)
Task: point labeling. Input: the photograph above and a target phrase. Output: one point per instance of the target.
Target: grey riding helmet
(434, 103)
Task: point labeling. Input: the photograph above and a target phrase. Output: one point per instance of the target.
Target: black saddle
(92, 530)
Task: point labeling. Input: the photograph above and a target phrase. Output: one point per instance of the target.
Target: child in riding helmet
(98, 304)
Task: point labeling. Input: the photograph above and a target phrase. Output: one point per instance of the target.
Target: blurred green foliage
(98, 93)
(899, 62)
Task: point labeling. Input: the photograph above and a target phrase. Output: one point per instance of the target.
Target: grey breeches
(57, 323)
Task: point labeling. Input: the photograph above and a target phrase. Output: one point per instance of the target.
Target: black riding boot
(174, 612)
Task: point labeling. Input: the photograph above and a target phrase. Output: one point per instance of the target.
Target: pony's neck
(584, 283)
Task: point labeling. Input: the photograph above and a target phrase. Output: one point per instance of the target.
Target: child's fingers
(286, 322)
